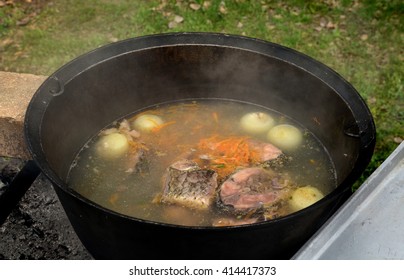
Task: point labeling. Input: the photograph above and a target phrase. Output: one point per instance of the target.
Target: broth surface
(133, 183)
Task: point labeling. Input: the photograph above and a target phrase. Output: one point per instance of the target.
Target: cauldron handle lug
(56, 86)
(17, 188)
(360, 130)
(353, 130)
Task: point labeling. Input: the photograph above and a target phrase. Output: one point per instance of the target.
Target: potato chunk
(304, 197)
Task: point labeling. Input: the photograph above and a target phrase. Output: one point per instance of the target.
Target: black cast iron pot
(90, 92)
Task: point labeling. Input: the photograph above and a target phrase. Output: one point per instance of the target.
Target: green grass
(361, 40)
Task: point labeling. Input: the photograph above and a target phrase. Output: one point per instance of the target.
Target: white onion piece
(257, 122)
(304, 197)
(113, 145)
(285, 136)
(147, 122)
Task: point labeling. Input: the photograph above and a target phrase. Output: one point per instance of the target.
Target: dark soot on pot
(204, 163)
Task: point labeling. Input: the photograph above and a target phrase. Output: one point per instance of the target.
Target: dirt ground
(38, 227)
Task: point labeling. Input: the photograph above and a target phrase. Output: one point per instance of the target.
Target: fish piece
(136, 160)
(186, 184)
(253, 187)
(266, 151)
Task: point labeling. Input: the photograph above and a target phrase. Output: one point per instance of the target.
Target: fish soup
(204, 163)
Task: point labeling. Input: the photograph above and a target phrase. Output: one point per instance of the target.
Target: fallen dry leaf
(206, 4)
(5, 43)
(270, 26)
(323, 22)
(194, 6)
(398, 140)
(372, 100)
(24, 21)
(178, 19)
(330, 25)
(160, 7)
(112, 38)
(222, 8)
(18, 54)
(175, 22)
(172, 24)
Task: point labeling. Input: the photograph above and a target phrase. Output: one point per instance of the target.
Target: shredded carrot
(161, 126)
(228, 154)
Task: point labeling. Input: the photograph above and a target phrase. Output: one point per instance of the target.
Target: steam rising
(132, 81)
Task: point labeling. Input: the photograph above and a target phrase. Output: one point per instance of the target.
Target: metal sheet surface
(370, 225)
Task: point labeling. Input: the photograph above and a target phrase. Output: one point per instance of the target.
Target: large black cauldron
(97, 88)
